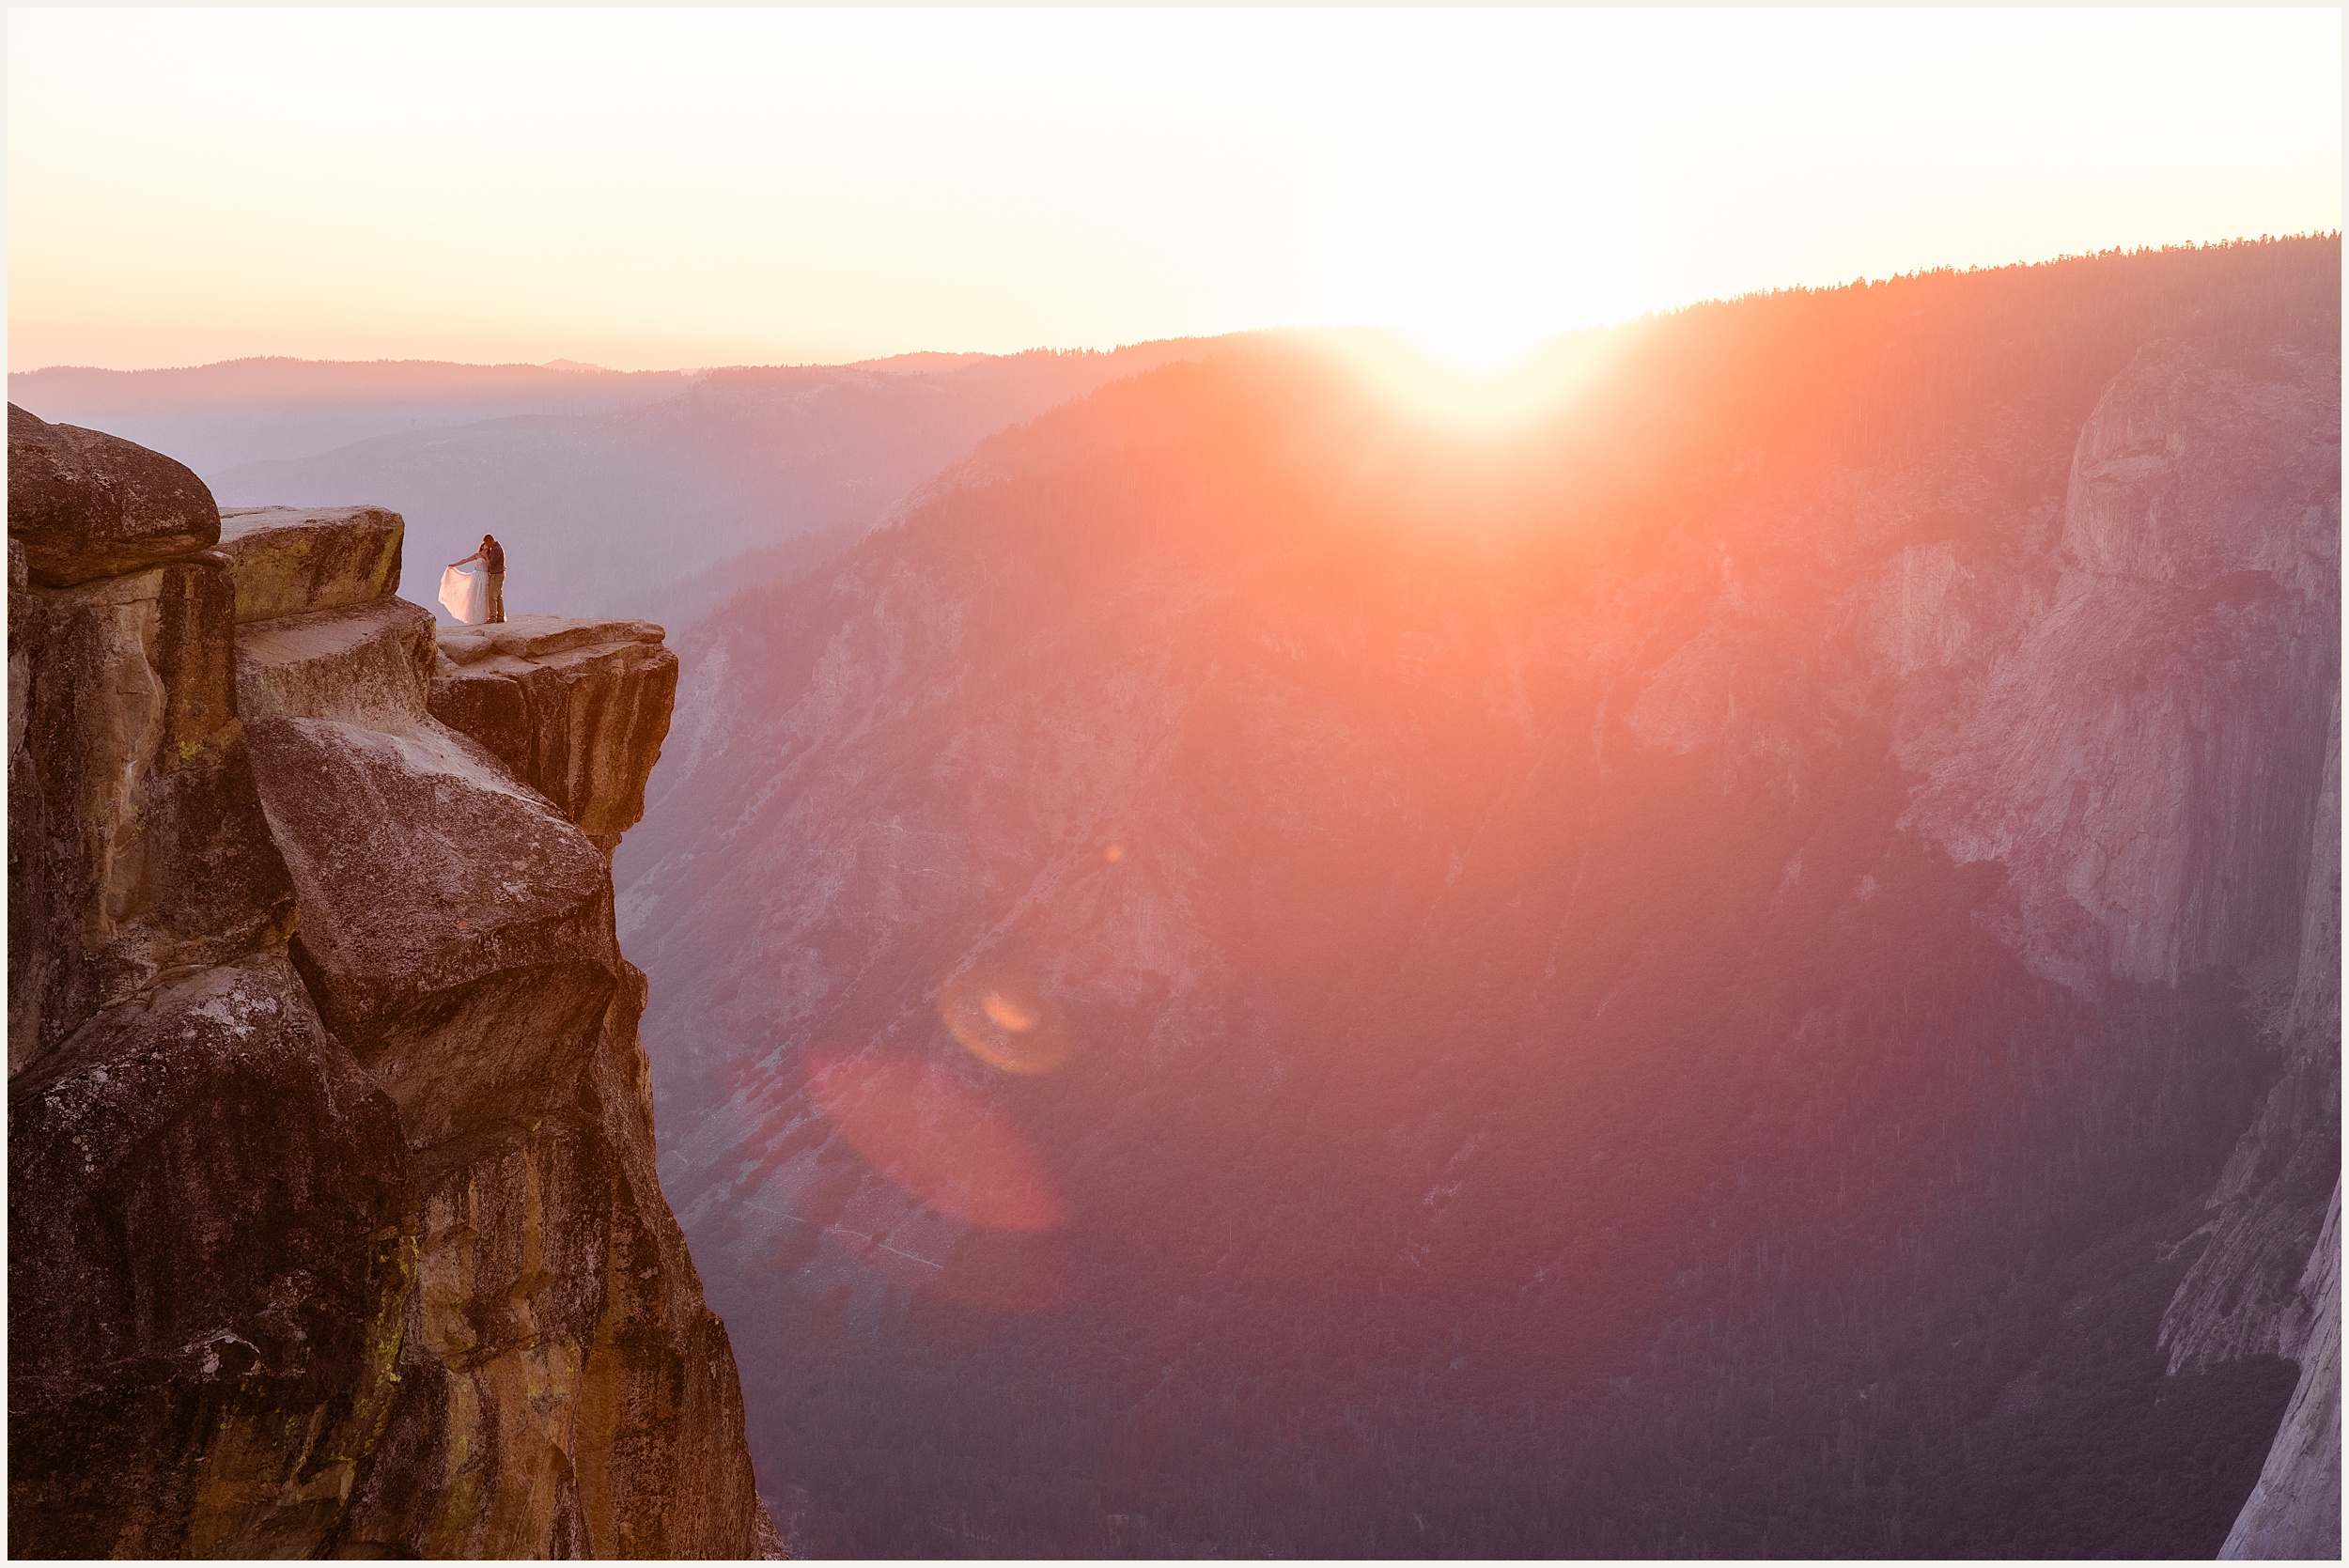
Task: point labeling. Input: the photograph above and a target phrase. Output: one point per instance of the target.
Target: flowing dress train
(465, 593)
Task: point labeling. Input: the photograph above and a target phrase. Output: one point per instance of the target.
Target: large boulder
(455, 930)
(292, 560)
(578, 709)
(86, 504)
(136, 842)
(367, 667)
(208, 1264)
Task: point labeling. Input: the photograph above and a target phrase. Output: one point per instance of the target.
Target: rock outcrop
(358, 664)
(210, 1251)
(136, 842)
(576, 709)
(333, 1216)
(292, 560)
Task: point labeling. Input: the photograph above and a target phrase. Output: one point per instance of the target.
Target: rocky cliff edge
(334, 1222)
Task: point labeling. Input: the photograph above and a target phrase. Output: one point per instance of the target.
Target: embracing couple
(457, 585)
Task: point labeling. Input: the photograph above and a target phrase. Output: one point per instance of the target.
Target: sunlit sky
(673, 188)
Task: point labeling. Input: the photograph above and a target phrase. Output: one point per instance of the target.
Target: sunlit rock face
(469, 983)
(334, 1225)
(352, 666)
(1694, 981)
(136, 840)
(296, 561)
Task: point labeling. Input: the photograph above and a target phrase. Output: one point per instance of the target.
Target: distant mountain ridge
(600, 510)
(215, 417)
(284, 381)
(649, 493)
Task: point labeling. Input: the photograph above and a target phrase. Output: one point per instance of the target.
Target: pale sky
(670, 188)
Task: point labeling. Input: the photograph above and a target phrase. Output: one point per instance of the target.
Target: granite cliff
(333, 1217)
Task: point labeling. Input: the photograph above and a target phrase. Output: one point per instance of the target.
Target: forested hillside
(1258, 975)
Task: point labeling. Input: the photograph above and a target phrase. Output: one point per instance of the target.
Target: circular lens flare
(1004, 1020)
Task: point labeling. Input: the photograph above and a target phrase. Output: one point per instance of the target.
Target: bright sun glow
(1476, 349)
(643, 188)
(1489, 394)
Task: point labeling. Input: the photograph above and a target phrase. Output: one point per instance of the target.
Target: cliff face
(2143, 747)
(2288, 1513)
(333, 1219)
(2153, 763)
(573, 708)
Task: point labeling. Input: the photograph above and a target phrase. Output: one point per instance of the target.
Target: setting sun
(1473, 395)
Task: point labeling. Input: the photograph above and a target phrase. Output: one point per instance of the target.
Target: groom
(493, 557)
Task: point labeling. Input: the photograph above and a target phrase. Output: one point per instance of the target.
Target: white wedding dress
(465, 593)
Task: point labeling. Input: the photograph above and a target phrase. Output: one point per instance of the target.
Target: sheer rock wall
(2142, 749)
(2155, 760)
(2147, 740)
(332, 1208)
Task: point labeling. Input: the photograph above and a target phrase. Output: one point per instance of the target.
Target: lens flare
(943, 1143)
(1004, 1020)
